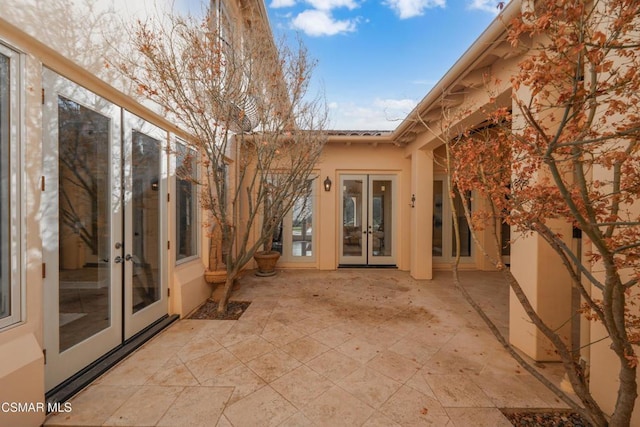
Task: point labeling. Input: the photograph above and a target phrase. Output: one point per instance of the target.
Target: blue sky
(378, 58)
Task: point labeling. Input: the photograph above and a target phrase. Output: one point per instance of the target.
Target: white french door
(104, 203)
(368, 213)
(444, 242)
(145, 237)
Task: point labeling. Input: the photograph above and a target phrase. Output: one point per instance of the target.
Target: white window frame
(176, 143)
(16, 114)
(447, 229)
(222, 21)
(287, 229)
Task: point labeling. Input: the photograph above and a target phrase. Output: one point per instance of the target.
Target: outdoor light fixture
(327, 184)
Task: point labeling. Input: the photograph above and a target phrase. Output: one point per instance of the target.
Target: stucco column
(421, 215)
(544, 279)
(548, 286)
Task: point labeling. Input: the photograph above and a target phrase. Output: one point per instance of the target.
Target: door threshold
(71, 386)
(367, 266)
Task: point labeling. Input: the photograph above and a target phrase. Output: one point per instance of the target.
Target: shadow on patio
(337, 348)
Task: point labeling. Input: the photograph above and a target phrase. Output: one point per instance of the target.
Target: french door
(104, 204)
(444, 240)
(368, 212)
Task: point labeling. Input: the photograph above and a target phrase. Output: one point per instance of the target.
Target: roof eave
(483, 45)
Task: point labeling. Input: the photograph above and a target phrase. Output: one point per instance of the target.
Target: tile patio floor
(338, 348)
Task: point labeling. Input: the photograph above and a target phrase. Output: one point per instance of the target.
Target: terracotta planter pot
(215, 277)
(266, 263)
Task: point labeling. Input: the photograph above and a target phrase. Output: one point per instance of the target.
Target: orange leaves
(598, 38)
(527, 64)
(632, 358)
(141, 89)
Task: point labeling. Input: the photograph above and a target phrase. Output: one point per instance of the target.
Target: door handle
(118, 259)
(128, 257)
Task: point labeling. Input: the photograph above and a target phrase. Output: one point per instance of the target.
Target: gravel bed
(544, 418)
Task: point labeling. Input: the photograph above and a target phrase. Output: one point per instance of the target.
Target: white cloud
(332, 4)
(405, 105)
(321, 23)
(486, 5)
(410, 8)
(382, 114)
(277, 4)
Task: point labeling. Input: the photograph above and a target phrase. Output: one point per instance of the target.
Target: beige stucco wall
(21, 358)
(361, 158)
(604, 364)
(65, 37)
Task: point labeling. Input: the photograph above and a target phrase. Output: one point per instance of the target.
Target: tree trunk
(627, 393)
(226, 292)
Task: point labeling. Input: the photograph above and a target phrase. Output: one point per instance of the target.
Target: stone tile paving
(316, 348)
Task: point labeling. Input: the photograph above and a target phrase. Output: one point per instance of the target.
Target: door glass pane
(186, 203)
(437, 218)
(352, 217)
(505, 239)
(277, 243)
(302, 231)
(465, 232)
(381, 217)
(84, 222)
(145, 203)
(5, 268)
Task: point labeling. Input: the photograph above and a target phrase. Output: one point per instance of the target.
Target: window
(186, 203)
(302, 224)
(10, 287)
(444, 239)
(294, 236)
(222, 21)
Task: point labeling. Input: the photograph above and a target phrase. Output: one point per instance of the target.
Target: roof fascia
(360, 139)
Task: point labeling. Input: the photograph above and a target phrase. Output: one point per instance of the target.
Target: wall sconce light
(327, 184)
(154, 185)
(413, 201)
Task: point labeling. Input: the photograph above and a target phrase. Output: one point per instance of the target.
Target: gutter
(481, 47)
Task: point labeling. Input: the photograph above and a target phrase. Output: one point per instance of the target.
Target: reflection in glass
(277, 244)
(465, 232)
(381, 216)
(5, 267)
(505, 239)
(438, 214)
(186, 203)
(352, 217)
(145, 202)
(302, 231)
(84, 222)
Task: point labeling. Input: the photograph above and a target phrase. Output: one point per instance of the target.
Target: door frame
(135, 322)
(124, 323)
(61, 365)
(367, 257)
(447, 228)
